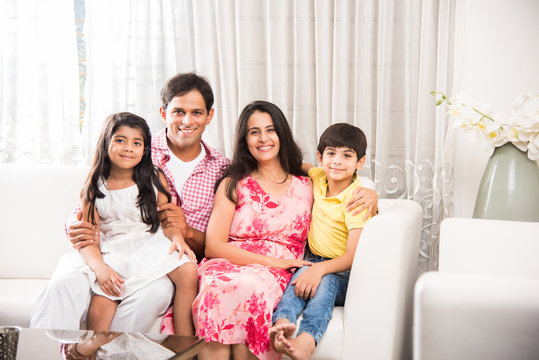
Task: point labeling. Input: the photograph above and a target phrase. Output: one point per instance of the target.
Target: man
(191, 168)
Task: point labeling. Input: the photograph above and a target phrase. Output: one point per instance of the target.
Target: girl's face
(126, 148)
(261, 138)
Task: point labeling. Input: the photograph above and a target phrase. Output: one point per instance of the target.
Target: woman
(255, 235)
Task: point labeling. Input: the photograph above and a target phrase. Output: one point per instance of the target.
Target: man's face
(186, 118)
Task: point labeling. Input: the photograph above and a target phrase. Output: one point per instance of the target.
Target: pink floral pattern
(235, 303)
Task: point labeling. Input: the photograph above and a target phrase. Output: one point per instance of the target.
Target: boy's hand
(364, 198)
(109, 280)
(307, 282)
(182, 247)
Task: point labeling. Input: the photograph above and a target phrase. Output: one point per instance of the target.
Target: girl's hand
(288, 263)
(363, 198)
(182, 247)
(307, 282)
(109, 280)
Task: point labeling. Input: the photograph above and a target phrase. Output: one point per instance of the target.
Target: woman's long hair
(243, 162)
(144, 174)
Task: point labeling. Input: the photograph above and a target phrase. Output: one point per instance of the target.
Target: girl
(119, 198)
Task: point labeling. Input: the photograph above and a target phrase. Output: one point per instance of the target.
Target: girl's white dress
(127, 246)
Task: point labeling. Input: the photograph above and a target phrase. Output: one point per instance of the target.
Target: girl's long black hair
(243, 162)
(144, 174)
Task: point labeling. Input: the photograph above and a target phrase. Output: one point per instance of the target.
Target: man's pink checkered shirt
(198, 190)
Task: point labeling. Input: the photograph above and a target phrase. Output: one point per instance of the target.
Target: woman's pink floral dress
(235, 303)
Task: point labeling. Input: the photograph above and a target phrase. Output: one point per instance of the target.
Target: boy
(332, 241)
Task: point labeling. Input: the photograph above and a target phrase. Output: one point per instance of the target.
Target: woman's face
(261, 138)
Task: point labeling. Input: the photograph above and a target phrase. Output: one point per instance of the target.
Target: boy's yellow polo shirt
(330, 222)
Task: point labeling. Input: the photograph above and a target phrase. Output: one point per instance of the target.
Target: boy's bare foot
(300, 348)
(279, 334)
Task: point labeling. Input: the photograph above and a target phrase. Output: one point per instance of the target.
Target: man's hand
(82, 233)
(109, 280)
(364, 198)
(307, 282)
(172, 215)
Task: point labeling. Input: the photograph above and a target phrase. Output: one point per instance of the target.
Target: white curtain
(371, 63)
(38, 82)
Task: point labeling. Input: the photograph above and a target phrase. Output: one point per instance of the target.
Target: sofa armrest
(465, 316)
(378, 308)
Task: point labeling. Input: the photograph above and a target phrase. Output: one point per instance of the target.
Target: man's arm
(79, 232)
(172, 215)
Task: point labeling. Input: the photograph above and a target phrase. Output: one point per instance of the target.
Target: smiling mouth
(265, 148)
(186, 131)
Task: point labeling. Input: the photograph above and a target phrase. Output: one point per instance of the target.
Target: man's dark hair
(181, 84)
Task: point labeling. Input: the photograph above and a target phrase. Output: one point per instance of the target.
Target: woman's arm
(108, 279)
(363, 198)
(217, 245)
(172, 232)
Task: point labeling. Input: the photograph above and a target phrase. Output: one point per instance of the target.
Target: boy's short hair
(181, 84)
(343, 135)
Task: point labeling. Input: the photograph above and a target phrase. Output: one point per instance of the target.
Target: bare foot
(300, 348)
(280, 332)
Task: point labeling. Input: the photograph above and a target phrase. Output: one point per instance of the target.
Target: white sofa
(376, 322)
(483, 303)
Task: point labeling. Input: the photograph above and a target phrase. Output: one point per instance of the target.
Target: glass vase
(509, 188)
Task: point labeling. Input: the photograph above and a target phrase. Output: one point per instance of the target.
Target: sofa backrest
(489, 247)
(35, 202)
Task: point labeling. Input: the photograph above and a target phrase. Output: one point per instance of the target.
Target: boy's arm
(307, 283)
(172, 232)
(306, 167)
(108, 279)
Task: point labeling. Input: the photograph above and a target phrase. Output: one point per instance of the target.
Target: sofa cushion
(32, 241)
(17, 297)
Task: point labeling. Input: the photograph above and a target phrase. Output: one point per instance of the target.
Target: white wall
(499, 61)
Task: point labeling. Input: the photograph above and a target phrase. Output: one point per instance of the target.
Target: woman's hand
(182, 247)
(363, 198)
(307, 282)
(109, 280)
(288, 263)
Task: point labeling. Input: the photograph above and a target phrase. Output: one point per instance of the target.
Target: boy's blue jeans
(317, 312)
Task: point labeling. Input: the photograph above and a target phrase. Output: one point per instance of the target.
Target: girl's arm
(172, 232)
(307, 283)
(108, 279)
(217, 245)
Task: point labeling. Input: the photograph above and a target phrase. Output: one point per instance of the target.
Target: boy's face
(340, 163)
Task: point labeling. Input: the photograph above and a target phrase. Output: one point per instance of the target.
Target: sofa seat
(17, 296)
(375, 322)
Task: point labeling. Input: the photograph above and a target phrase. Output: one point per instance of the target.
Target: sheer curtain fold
(38, 82)
(371, 63)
